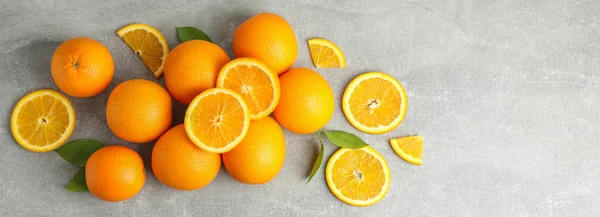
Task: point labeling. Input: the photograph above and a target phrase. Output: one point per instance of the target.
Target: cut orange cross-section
(255, 81)
(374, 102)
(217, 120)
(409, 148)
(148, 43)
(42, 120)
(359, 177)
(325, 54)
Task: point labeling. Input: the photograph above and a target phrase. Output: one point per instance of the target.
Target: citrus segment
(409, 148)
(325, 54)
(42, 120)
(258, 84)
(217, 120)
(359, 177)
(148, 43)
(374, 102)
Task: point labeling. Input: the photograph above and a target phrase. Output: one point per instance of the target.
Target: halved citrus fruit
(42, 120)
(374, 102)
(255, 81)
(358, 177)
(217, 120)
(409, 148)
(148, 43)
(325, 54)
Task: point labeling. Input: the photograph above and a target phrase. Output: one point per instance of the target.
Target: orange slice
(258, 84)
(358, 177)
(42, 120)
(325, 54)
(217, 120)
(374, 102)
(148, 43)
(409, 148)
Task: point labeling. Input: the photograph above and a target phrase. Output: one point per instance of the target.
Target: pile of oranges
(228, 118)
(229, 103)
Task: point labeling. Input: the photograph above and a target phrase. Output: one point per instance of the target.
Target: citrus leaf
(319, 160)
(77, 183)
(190, 33)
(344, 139)
(78, 151)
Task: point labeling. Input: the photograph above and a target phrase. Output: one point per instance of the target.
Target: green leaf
(190, 33)
(344, 139)
(78, 151)
(77, 183)
(318, 161)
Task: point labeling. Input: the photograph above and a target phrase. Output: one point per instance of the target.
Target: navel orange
(260, 156)
(139, 111)
(192, 67)
(82, 67)
(115, 173)
(269, 38)
(306, 103)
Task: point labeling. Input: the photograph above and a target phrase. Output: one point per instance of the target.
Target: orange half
(255, 81)
(217, 120)
(374, 102)
(42, 120)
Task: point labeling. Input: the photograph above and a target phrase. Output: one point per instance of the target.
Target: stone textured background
(505, 94)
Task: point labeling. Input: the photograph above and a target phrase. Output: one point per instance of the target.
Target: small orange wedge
(148, 43)
(217, 120)
(257, 83)
(42, 120)
(409, 148)
(325, 54)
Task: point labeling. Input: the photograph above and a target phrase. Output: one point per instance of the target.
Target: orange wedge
(42, 120)
(409, 148)
(217, 120)
(148, 43)
(257, 83)
(358, 177)
(374, 102)
(325, 54)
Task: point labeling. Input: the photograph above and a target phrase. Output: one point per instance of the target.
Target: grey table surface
(505, 94)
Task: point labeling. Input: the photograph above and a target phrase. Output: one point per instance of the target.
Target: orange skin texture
(115, 173)
(180, 164)
(192, 67)
(306, 104)
(82, 67)
(139, 111)
(260, 156)
(269, 38)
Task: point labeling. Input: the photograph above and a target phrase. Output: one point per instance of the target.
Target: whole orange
(192, 67)
(306, 102)
(82, 67)
(115, 173)
(139, 111)
(260, 156)
(267, 37)
(180, 164)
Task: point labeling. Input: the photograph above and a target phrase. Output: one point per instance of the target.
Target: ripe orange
(306, 102)
(260, 156)
(179, 164)
(269, 38)
(192, 67)
(139, 111)
(82, 67)
(115, 173)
